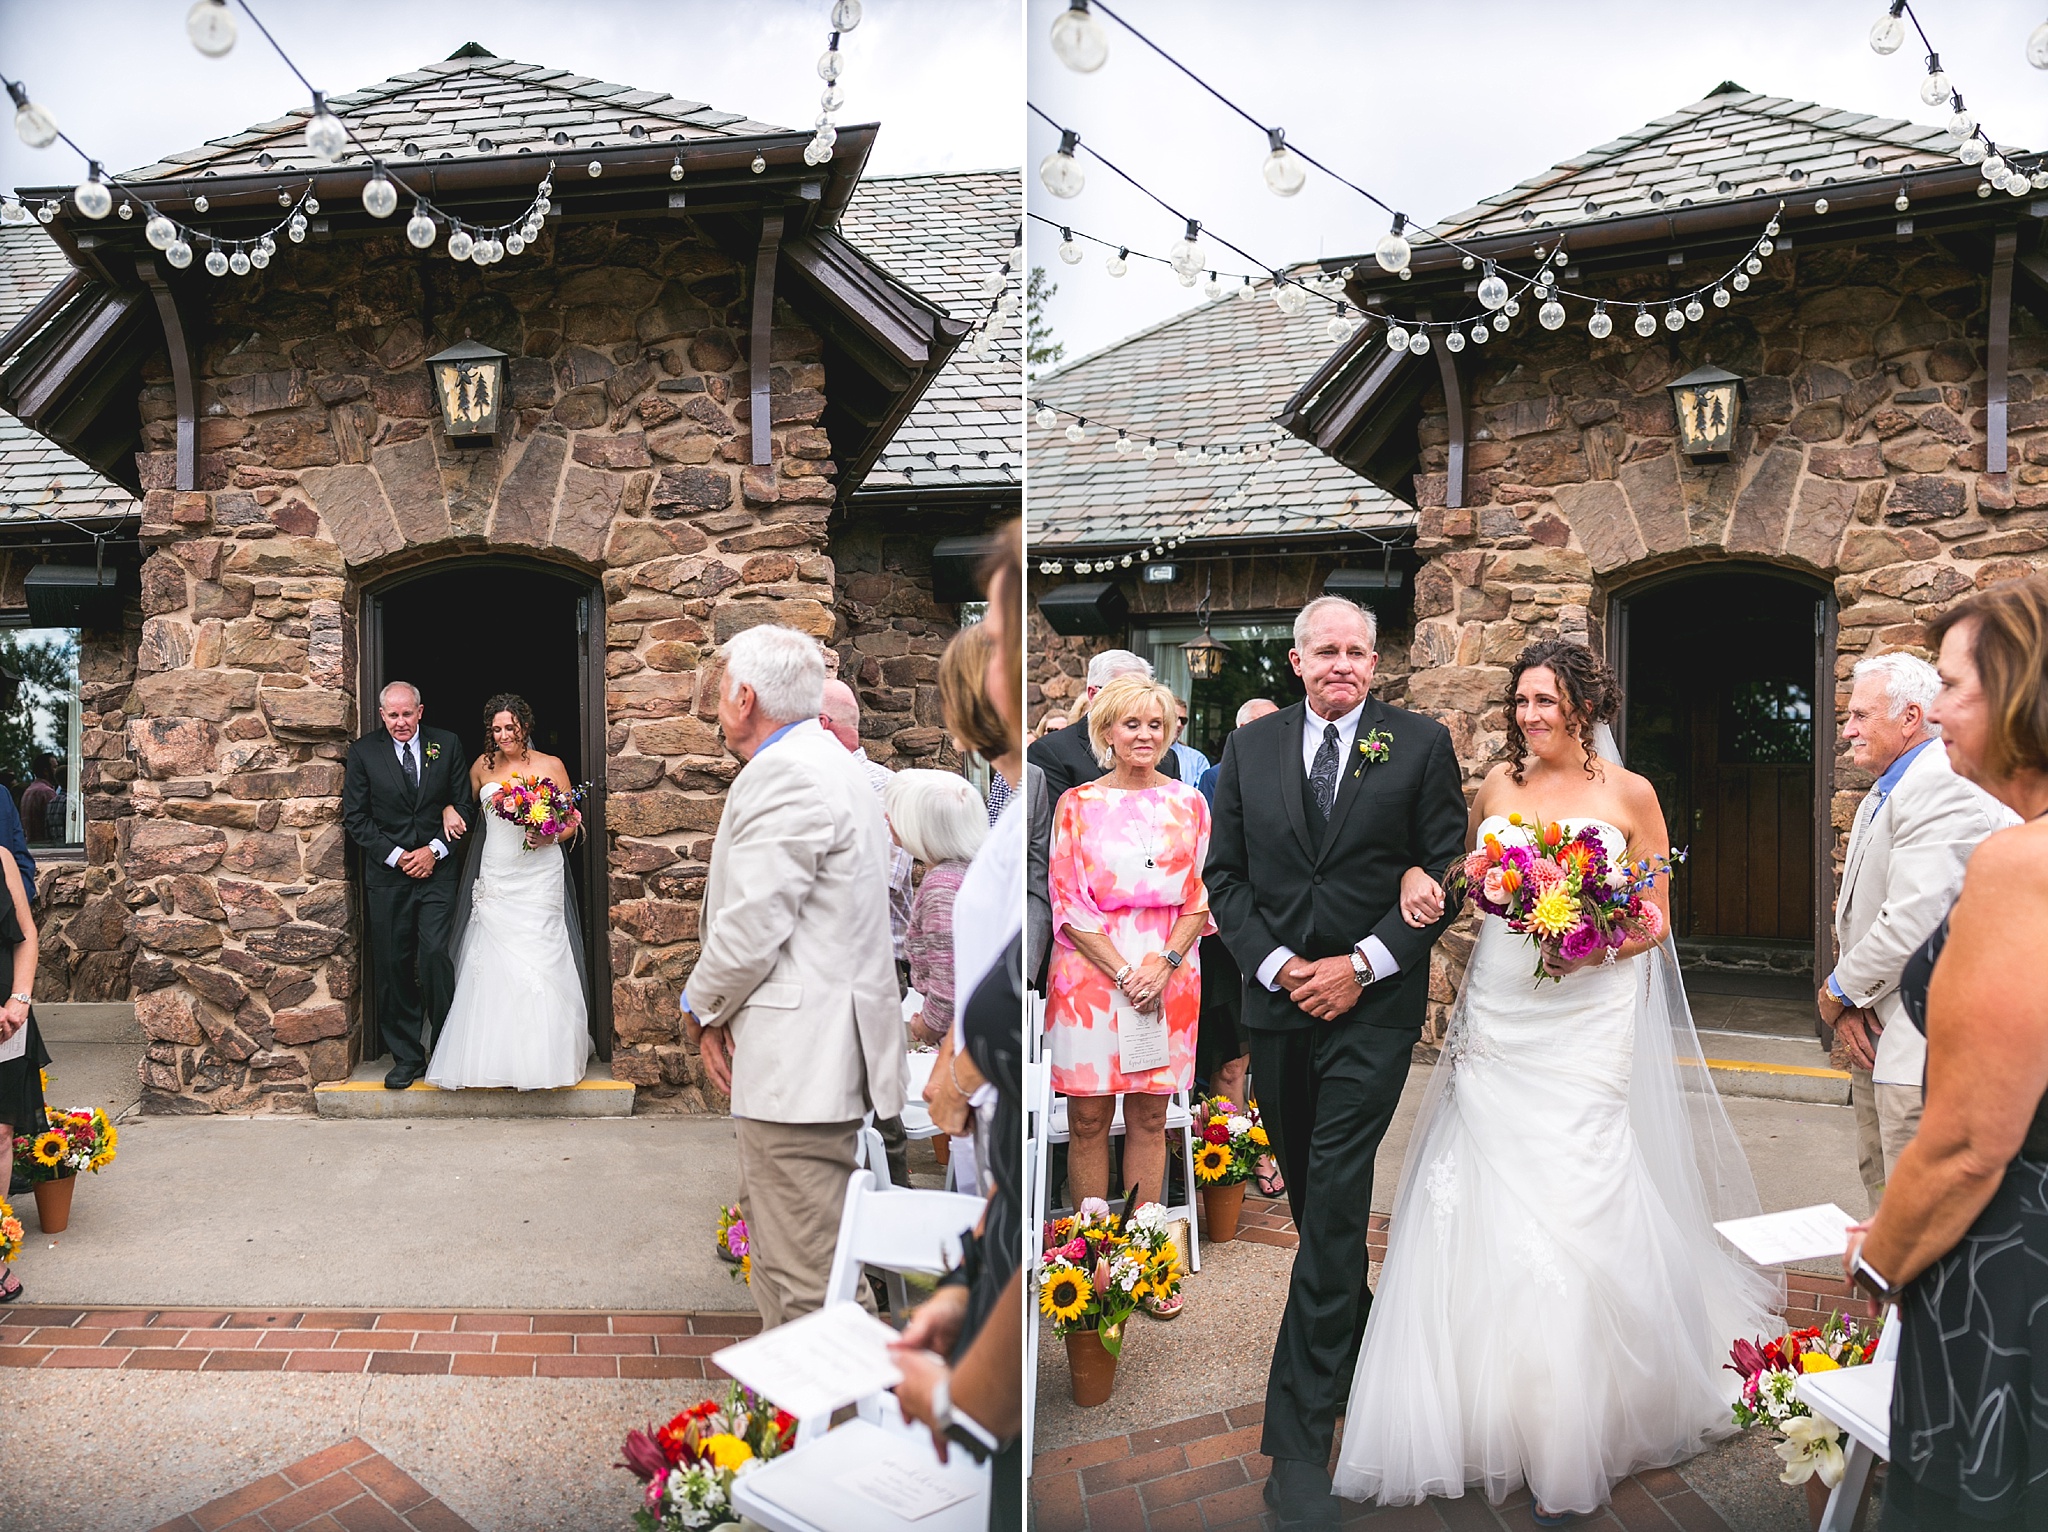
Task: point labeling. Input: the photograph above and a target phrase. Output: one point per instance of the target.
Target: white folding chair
(1859, 1400)
(917, 1117)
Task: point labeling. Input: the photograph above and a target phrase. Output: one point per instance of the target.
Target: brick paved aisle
(1203, 1472)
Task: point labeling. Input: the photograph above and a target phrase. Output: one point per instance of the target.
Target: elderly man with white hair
(1911, 840)
(793, 998)
(1065, 755)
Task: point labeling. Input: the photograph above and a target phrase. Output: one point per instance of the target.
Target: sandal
(10, 1286)
(1163, 1308)
(1266, 1175)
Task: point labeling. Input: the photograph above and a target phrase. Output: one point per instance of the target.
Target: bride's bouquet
(537, 806)
(1770, 1371)
(1564, 892)
(689, 1465)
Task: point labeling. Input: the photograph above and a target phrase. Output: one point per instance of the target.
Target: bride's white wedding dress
(518, 1017)
(1555, 1307)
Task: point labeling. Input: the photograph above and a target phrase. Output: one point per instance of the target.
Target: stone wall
(323, 466)
(1859, 457)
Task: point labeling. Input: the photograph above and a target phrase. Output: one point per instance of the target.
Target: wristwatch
(1172, 958)
(942, 1404)
(1361, 968)
(24, 997)
(1869, 1277)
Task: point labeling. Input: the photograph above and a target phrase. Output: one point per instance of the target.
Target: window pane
(39, 734)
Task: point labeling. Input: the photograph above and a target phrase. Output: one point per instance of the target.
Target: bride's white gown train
(1555, 1308)
(518, 1017)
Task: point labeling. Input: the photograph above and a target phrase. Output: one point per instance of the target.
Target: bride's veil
(1687, 1141)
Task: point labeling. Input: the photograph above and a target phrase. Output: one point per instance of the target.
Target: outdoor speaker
(1385, 591)
(72, 596)
(1075, 609)
(955, 561)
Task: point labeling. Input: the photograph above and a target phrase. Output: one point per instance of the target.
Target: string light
(845, 17)
(1975, 146)
(1059, 172)
(1230, 283)
(38, 129)
(1046, 416)
(1078, 40)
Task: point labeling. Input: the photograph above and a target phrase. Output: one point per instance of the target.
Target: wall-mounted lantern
(1708, 401)
(1205, 656)
(469, 385)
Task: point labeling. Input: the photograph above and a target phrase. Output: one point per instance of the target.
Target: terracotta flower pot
(1090, 1369)
(1220, 1207)
(942, 1148)
(53, 1203)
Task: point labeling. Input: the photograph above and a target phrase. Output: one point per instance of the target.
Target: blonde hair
(1118, 700)
(937, 816)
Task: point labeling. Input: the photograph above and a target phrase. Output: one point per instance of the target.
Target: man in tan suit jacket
(1912, 837)
(793, 999)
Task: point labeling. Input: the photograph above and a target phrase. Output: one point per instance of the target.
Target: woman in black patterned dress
(21, 1077)
(1961, 1240)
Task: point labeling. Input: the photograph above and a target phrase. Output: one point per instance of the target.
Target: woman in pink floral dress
(1128, 907)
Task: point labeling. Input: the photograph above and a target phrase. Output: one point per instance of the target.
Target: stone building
(1891, 455)
(1255, 539)
(704, 373)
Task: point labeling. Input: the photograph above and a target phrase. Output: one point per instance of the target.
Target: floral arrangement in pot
(734, 1247)
(689, 1466)
(1232, 1142)
(1099, 1266)
(49, 1160)
(11, 1232)
(1770, 1371)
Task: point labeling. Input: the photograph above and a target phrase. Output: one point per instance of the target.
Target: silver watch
(24, 997)
(1361, 969)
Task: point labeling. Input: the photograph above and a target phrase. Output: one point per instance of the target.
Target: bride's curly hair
(1591, 695)
(506, 702)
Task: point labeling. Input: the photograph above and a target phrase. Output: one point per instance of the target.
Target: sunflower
(49, 1148)
(1212, 1163)
(1064, 1296)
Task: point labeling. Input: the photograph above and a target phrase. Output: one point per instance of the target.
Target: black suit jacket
(381, 810)
(1068, 760)
(1271, 884)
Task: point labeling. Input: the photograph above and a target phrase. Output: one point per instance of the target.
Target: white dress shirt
(411, 748)
(1369, 947)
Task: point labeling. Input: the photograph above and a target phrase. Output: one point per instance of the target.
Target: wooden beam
(1454, 410)
(1998, 351)
(763, 332)
(181, 373)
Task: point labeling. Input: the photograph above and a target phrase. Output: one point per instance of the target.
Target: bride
(1555, 1307)
(518, 1017)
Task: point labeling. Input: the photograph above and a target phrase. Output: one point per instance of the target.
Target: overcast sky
(1434, 106)
(123, 81)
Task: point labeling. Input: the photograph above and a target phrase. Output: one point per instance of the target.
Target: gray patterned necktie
(412, 766)
(1323, 776)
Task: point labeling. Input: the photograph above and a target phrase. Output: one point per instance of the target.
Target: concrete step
(1772, 1068)
(363, 1096)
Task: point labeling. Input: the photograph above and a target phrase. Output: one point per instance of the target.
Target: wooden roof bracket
(763, 331)
(1455, 412)
(1997, 350)
(187, 395)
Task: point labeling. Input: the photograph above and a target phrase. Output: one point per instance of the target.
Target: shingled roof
(38, 478)
(939, 234)
(467, 106)
(1215, 374)
(1726, 146)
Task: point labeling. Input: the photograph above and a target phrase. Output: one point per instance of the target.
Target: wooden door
(1751, 802)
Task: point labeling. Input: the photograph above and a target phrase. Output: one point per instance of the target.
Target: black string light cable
(2001, 172)
(1150, 445)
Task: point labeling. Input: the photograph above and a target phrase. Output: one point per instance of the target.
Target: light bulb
(1600, 326)
(419, 229)
(1078, 40)
(1480, 334)
(1397, 338)
(159, 231)
(1551, 315)
(1971, 151)
(1185, 278)
(675, 171)
(1283, 171)
(1887, 34)
(830, 64)
(1076, 432)
(1934, 89)
(217, 262)
(1214, 289)
(91, 196)
(459, 245)
(178, 253)
(1392, 251)
(846, 15)
(1501, 321)
(1901, 202)
(2039, 179)
(530, 231)
(1185, 256)
(211, 26)
(1123, 445)
(200, 204)
(1149, 451)
(267, 245)
(2015, 183)
(2037, 46)
(1511, 308)
(1059, 172)
(1454, 340)
(12, 212)
(238, 263)
(38, 129)
(1765, 248)
(258, 258)
(297, 228)
(480, 253)
(1961, 123)
(309, 207)
(1693, 310)
(1993, 168)
(380, 197)
(1493, 292)
(1753, 265)
(1820, 204)
(1289, 299)
(1046, 419)
(1721, 298)
(1069, 251)
(1337, 328)
(595, 168)
(325, 135)
(514, 243)
(760, 164)
(126, 210)
(1117, 263)
(1646, 323)
(1740, 281)
(1418, 343)
(1182, 456)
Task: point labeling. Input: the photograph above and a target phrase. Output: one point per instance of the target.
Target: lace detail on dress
(1539, 1257)
(1466, 1043)
(1442, 1187)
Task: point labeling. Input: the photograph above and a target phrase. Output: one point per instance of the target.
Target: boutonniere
(1376, 747)
(433, 751)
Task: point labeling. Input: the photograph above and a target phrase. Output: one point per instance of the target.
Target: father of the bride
(404, 799)
(1321, 811)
